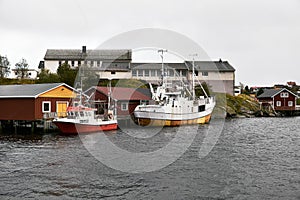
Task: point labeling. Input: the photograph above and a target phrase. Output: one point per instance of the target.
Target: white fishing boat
(175, 105)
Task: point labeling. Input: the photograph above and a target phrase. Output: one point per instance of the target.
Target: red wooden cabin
(279, 99)
(32, 102)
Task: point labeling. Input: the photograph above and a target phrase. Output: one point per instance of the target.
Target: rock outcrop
(240, 106)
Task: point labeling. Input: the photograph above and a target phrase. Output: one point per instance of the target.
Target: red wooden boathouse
(126, 99)
(32, 102)
(279, 99)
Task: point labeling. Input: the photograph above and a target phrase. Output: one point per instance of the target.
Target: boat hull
(77, 128)
(166, 122)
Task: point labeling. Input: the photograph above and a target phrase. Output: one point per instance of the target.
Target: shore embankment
(241, 106)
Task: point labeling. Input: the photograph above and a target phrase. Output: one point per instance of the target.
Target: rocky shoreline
(241, 106)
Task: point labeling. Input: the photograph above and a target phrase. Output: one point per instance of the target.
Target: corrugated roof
(26, 90)
(97, 54)
(121, 93)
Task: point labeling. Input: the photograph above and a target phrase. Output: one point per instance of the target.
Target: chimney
(83, 49)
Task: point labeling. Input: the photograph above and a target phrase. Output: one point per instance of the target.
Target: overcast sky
(260, 38)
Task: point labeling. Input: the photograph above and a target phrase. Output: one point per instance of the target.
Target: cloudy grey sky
(260, 38)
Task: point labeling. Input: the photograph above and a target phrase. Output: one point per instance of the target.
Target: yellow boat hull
(161, 122)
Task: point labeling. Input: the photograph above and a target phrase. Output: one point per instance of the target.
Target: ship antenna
(162, 64)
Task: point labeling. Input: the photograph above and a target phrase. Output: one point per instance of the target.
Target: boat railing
(52, 115)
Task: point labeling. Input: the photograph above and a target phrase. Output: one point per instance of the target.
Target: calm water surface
(256, 158)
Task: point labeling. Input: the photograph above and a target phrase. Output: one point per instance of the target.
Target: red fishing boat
(82, 119)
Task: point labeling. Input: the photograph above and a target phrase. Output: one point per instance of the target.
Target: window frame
(43, 106)
(284, 95)
(290, 103)
(278, 103)
(126, 106)
(139, 73)
(134, 72)
(205, 73)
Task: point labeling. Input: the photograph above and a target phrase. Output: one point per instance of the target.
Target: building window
(59, 63)
(91, 63)
(124, 106)
(134, 72)
(183, 72)
(112, 72)
(46, 106)
(146, 71)
(72, 63)
(204, 73)
(278, 103)
(171, 72)
(284, 95)
(152, 72)
(139, 73)
(98, 63)
(290, 103)
(79, 62)
(196, 73)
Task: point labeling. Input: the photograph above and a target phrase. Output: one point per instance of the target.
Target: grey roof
(218, 66)
(27, 90)
(97, 54)
(269, 93)
(158, 65)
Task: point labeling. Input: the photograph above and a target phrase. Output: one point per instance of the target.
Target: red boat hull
(72, 128)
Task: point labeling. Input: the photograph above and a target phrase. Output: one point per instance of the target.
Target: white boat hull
(163, 116)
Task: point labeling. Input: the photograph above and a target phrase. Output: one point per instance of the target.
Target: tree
(46, 77)
(246, 90)
(67, 74)
(4, 67)
(200, 92)
(87, 77)
(259, 92)
(22, 69)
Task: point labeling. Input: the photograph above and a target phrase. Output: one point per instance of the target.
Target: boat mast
(162, 64)
(193, 77)
(109, 94)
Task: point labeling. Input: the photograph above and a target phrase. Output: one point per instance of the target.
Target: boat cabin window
(81, 114)
(201, 108)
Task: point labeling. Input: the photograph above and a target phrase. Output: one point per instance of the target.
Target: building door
(61, 108)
